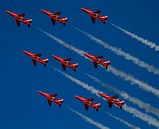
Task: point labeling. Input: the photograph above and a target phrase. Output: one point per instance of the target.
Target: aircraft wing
(34, 62)
(22, 15)
(91, 99)
(53, 22)
(49, 102)
(86, 107)
(97, 12)
(67, 59)
(95, 65)
(110, 104)
(114, 97)
(39, 54)
(57, 13)
(93, 20)
(99, 57)
(53, 95)
(18, 23)
(63, 67)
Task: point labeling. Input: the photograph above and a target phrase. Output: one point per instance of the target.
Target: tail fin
(44, 61)
(104, 19)
(106, 63)
(74, 66)
(97, 106)
(63, 20)
(28, 22)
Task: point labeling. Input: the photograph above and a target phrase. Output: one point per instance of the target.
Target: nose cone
(40, 92)
(82, 9)
(85, 10)
(85, 54)
(100, 93)
(26, 52)
(77, 97)
(7, 11)
(42, 10)
(53, 56)
(45, 11)
(43, 93)
(10, 13)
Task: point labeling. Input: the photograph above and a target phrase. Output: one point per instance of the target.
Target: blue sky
(21, 104)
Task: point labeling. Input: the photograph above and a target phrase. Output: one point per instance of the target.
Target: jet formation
(55, 17)
(65, 62)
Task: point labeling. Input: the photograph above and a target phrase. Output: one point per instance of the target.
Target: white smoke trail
(145, 117)
(149, 119)
(133, 80)
(144, 41)
(119, 52)
(78, 82)
(124, 122)
(78, 51)
(139, 103)
(111, 69)
(89, 120)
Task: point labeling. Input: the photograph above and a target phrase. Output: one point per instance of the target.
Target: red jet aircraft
(95, 15)
(36, 58)
(97, 60)
(88, 103)
(52, 98)
(55, 17)
(66, 62)
(112, 100)
(20, 18)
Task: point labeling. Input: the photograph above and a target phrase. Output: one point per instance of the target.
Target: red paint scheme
(55, 17)
(66, 62)
(20, 18)
(95, 15)
(52, 98)
(112, 100)
(98, 60)
(88, 103)
(36, 58)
